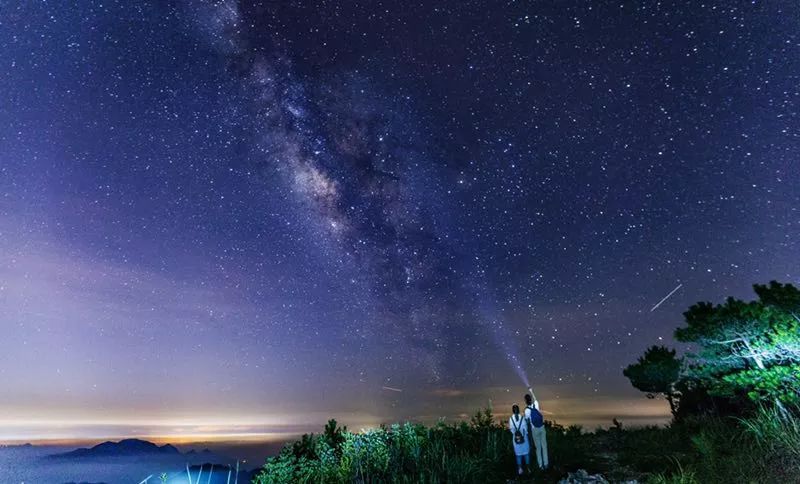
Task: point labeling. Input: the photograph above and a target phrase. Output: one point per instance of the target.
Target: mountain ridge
(124, 447)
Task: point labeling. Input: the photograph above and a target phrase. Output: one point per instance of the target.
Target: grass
(764, 448)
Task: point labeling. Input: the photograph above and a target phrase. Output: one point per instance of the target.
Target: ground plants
(479, 451)
(763, 448)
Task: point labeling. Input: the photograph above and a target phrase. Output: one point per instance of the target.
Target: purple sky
(242, 219)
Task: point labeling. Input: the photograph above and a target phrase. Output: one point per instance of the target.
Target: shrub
(761, 449)
(778, 437)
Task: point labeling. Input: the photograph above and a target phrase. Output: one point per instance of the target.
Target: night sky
(228, 218)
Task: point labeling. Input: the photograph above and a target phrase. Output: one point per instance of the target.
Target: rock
(583, 477)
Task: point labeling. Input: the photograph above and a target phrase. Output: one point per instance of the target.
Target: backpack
(537, 420)
(518, 437)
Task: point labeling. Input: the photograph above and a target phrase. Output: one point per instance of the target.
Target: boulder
(583, 477)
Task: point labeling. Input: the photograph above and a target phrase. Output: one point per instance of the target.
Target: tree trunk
(673, 408)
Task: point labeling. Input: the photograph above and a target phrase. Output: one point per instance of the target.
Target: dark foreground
(764, 448)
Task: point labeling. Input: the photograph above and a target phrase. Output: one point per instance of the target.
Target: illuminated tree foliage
(657, 373)
(751, 347)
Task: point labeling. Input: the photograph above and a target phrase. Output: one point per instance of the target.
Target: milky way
(268, 213)
(350, 158)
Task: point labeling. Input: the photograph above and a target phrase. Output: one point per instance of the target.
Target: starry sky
(239, 218)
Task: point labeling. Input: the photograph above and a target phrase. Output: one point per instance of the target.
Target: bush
(762, 449)
(681, 477)
(778, 438)
(480, 452)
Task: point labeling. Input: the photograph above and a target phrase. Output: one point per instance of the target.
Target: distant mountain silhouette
(16, 446)
(194, 452)
(127, 447)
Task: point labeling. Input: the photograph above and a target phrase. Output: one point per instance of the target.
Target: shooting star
(392, 389)
(666, 297)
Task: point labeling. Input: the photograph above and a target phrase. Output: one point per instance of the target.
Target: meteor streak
(665, 298)
(392, 389)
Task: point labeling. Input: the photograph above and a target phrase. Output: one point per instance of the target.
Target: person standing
(519, 431)
(534, 421)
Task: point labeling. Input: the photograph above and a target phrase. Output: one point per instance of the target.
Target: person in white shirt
(534, 421)
(519, 432)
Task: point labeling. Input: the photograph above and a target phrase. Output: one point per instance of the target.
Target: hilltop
(123, 448)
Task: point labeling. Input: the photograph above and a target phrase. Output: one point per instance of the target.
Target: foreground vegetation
(764, 448)
(735, 406)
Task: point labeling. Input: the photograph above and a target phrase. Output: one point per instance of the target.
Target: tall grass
(762, 449)
(476, 452)
(399, 454)
(777, 435)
